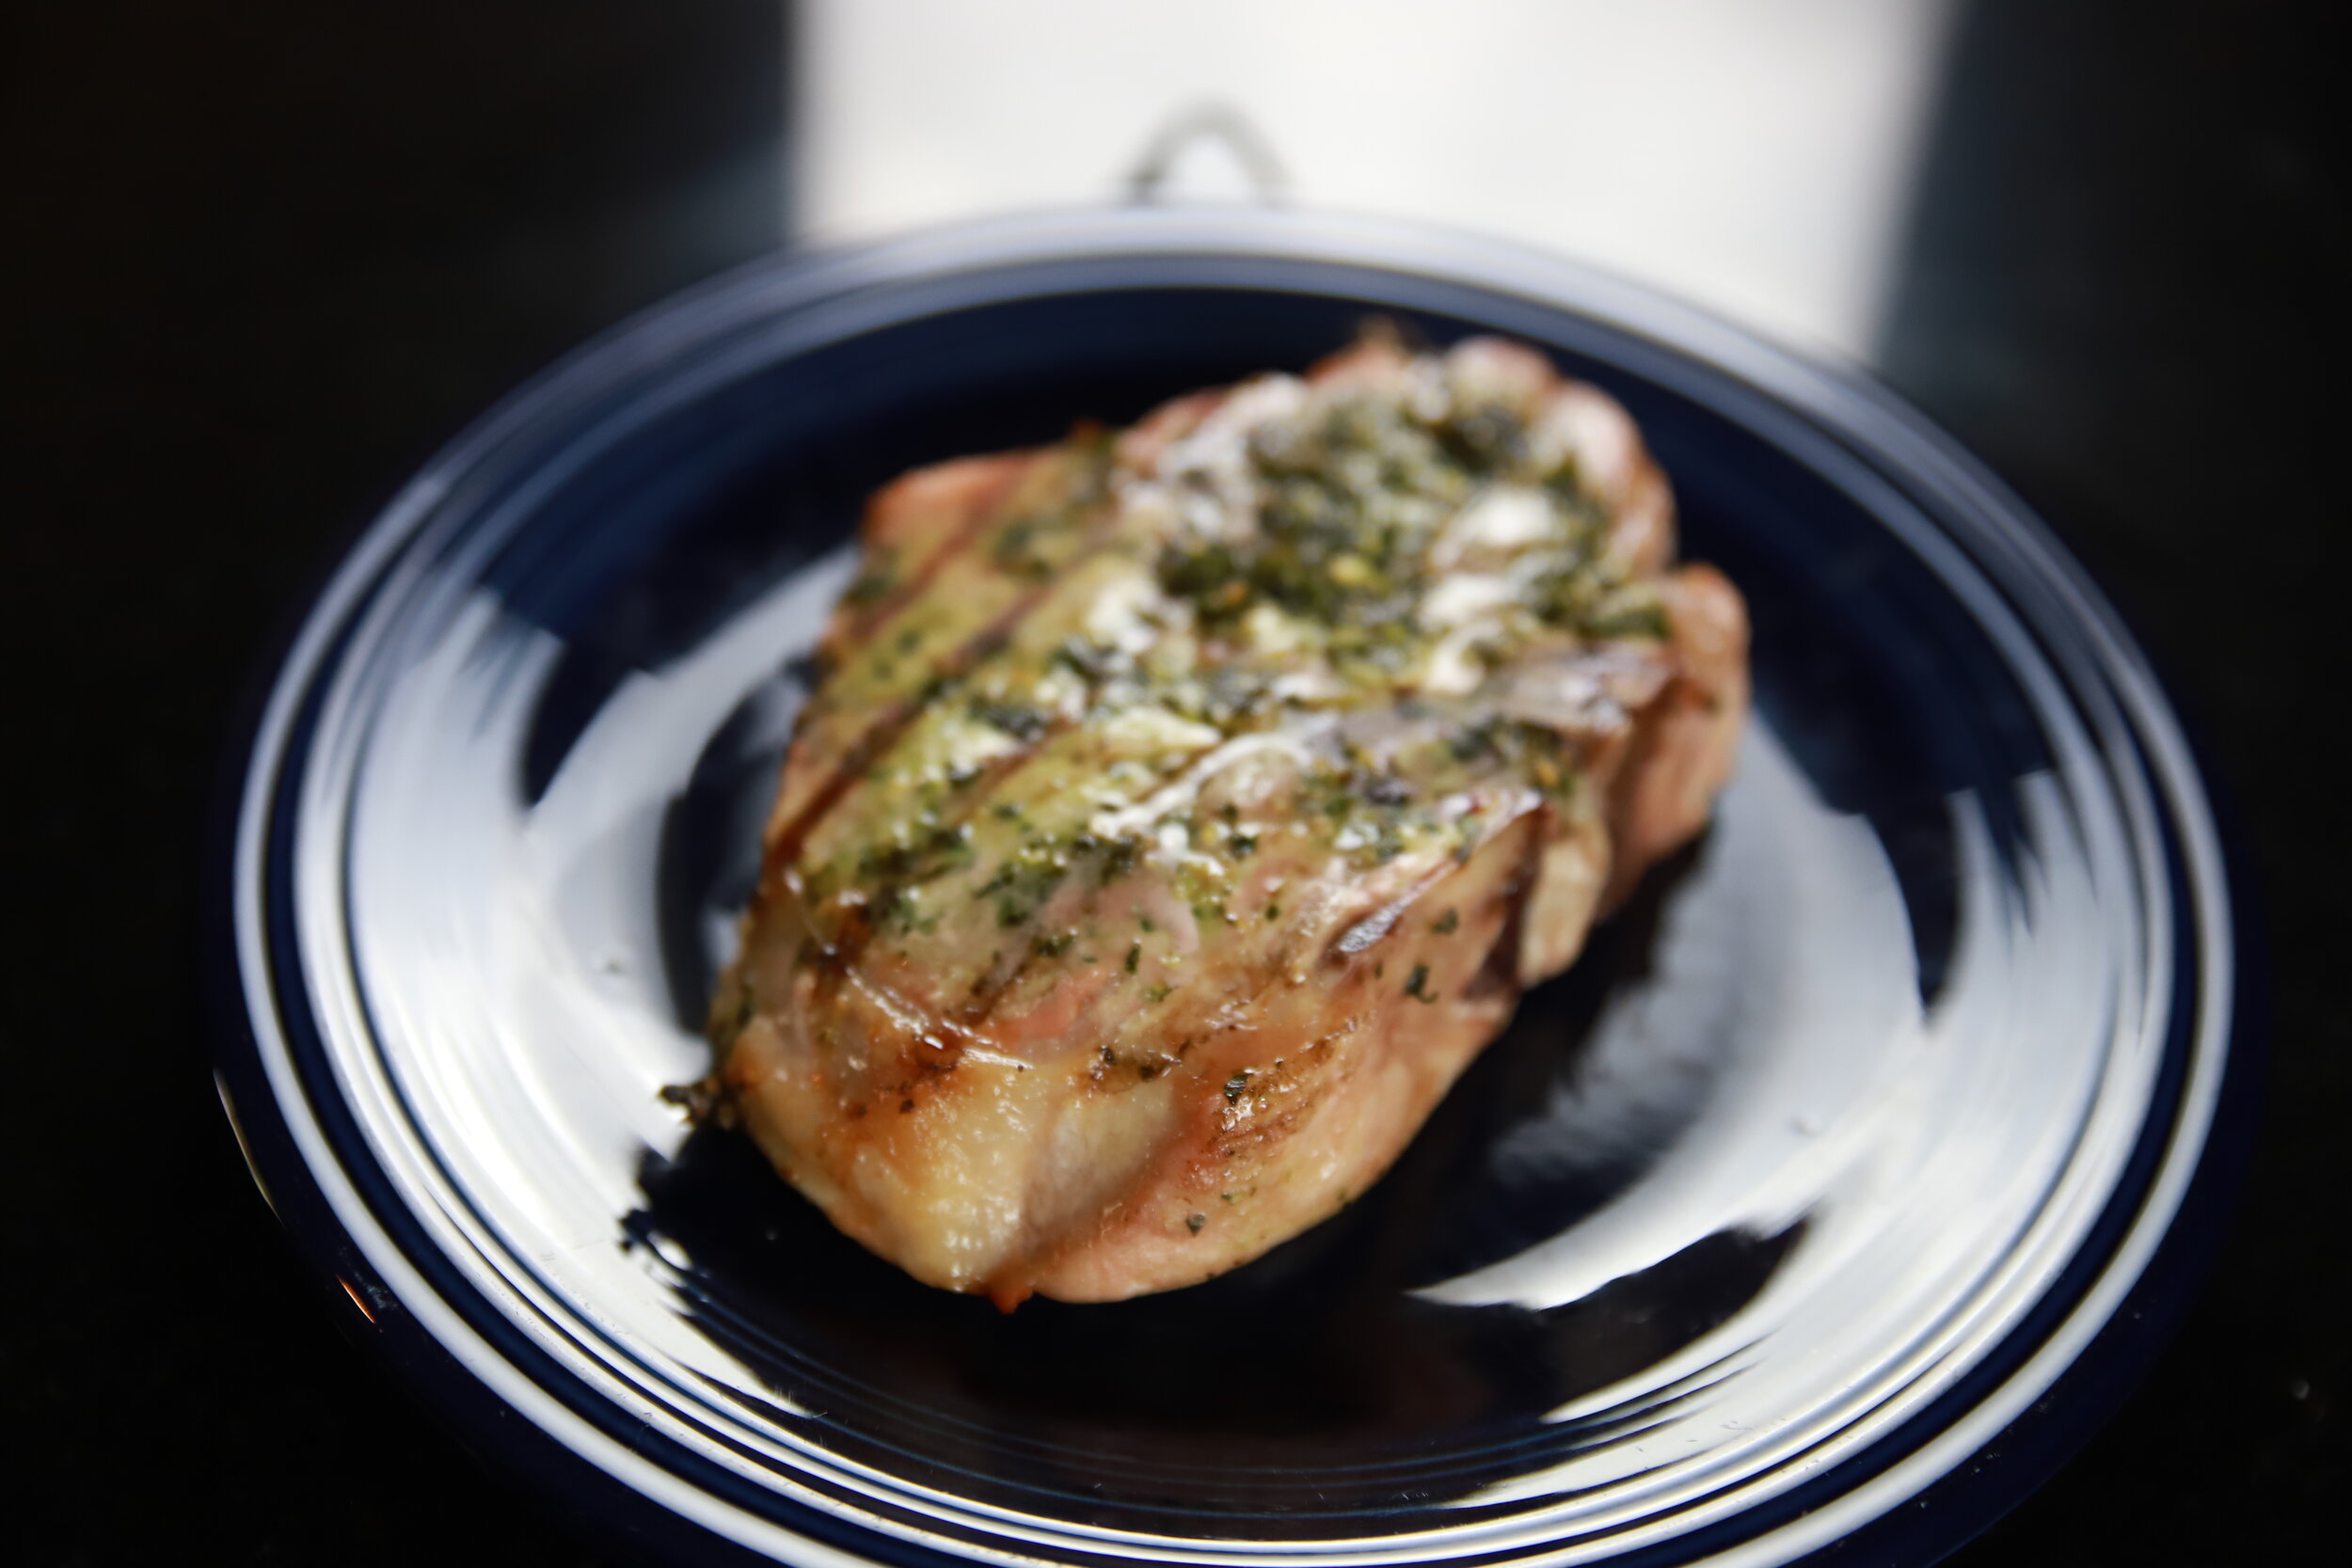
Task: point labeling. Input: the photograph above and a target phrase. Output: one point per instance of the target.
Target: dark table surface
(262, 260)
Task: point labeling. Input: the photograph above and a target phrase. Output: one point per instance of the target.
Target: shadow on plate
(1312, 1384)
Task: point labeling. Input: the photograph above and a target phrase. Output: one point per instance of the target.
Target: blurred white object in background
(1753, 155)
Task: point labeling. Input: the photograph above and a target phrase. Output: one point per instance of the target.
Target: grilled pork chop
(1182, 809)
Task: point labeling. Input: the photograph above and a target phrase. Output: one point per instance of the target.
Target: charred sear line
(896, 871)
(1026, 878)
(1022, 885)
(953, 669)
(876, 741)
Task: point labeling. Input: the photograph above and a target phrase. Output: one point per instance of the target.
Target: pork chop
(1182, 809)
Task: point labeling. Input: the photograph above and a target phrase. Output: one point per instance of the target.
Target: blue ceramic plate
(1761, 1227)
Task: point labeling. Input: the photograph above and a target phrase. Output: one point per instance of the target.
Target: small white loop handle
(1147, 183)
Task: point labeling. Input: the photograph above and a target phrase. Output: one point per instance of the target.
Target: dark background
(257, 265)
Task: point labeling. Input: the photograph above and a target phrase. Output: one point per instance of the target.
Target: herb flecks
(1380, 554)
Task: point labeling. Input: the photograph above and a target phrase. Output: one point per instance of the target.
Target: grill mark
(1380, 922)
(886, 732)
(928, 1044)
(978, 1013)
(871, 623)
(858, 932)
